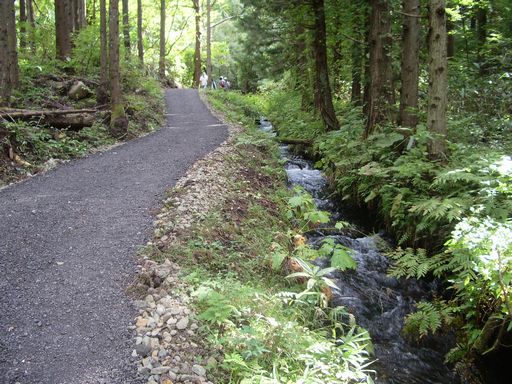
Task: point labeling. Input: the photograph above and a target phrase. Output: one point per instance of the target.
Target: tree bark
(197, 52)
(140, 46)
(304, 83)
(356, 53)
(409, 73)
(63, 25)
(71, 119)
(32, 25)
(161, 62)
(438, 80)
(9, 72)
(380, 98)
(102, 92)
(23, 24)
(126, 30)
(118, 120)
(209, 42)
(82, 14)
(323, 96)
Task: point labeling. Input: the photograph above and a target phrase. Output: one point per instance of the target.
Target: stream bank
(378, 301)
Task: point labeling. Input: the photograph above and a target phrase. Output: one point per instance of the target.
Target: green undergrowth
(259, 301)
(451, 220)
(25, 146)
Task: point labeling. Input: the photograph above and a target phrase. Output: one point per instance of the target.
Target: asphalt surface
(68, 241)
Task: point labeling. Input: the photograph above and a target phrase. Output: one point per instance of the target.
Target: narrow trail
(67, 246)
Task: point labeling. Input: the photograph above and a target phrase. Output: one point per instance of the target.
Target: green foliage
(341, 256)
(429, 318)
(303, 209)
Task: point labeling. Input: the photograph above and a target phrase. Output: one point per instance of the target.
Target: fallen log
(285, 140)
(74, 119)
(20, 113)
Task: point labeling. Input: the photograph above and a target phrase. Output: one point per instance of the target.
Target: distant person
(222, 82)
(203, 80)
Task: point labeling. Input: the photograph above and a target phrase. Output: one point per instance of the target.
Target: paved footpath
(68, 241)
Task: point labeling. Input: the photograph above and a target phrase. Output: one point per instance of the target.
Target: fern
(428, 318)
(410, 263)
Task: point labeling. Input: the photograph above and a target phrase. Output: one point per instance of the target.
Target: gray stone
(160, 309)
(143, 350)
(79, 91)
(198, 370)
(160, 370)
(182, 324)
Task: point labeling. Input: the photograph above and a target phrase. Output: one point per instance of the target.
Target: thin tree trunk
(140, 46)
(9, 72)
(32, 26)
(23, 25)
(209, 42)
(481, 34)
(450, 49)
(118, 120)
(82, 13)
(356, 53)
(438, 80)
(408, 116)
(102, 93)
(161, 62)
(380, 92)
(63, 23)
(126, 30)
(303, 72)
(323, 97)
(197, 52)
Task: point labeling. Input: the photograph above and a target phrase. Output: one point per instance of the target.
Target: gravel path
(67, 245)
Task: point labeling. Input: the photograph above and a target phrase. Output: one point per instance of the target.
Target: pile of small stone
(167, 345)
(166, 342)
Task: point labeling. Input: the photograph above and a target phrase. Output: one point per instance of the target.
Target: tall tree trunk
(126, 30)
(481, 34)
(118, 120)
(356, 52)
(438, 80)
(302, 68)
(380, 92)
(102, 94)
(140, 46)
(63, 26)
(450, 48)
(32, 25)
(408, 116)
(197, 52)
(9, 72)
(323, 97)
(23, 24)
(209, 42)
(82, 14)
(161, 62)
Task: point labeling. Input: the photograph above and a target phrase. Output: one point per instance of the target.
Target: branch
(413, 15)
(223, 21)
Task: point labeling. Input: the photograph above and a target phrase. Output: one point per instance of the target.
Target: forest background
(405, 105)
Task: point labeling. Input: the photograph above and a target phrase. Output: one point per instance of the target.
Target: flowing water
(378, 302)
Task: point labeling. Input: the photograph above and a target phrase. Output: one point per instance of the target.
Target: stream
(378, 301)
